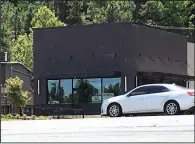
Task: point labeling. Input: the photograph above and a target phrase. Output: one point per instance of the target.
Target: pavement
(123, 129)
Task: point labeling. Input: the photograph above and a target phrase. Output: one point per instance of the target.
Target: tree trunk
(22, 110)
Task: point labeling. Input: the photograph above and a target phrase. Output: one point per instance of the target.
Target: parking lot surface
(124, 129)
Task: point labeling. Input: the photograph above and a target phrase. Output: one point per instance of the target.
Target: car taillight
(191, 93)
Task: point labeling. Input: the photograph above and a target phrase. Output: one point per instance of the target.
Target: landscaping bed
(10, 117)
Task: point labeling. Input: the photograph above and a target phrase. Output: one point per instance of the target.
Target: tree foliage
(111, 11)
(22, 49)
(44, 17)
(167, 13)
(15, 93)
(19, 17)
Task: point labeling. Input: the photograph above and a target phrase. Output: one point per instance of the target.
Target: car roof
(158, 84)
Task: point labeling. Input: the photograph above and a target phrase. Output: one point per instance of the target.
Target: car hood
(116, 98)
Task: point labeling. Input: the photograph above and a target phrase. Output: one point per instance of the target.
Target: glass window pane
(65, 91)
(77, 91)
(141, 91)
(92, 90)
(111, 87)
(158, 89)
(53, 91)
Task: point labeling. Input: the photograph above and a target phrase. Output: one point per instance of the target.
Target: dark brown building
(13, 69)
(81, 66)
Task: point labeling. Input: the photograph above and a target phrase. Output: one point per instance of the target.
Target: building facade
(13, 69)
(81, 66)
(190, 61)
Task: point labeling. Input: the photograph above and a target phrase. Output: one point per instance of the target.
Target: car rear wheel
(114, 110)
(172, 108)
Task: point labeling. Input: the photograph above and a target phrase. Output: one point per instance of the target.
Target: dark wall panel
(94, 50)
(90, 49)
(160, 51)
(3, 74)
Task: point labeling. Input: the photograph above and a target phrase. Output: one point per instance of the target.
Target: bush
(24, 117)
(2, 116)
(33, 117)
(9, 116)
(42, 118)
(50, 117)
(17, 116)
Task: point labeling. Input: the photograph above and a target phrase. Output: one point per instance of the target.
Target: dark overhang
(84, 74)
(165, 75)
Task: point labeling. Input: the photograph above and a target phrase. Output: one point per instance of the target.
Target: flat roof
(91, 25)
(18, 64)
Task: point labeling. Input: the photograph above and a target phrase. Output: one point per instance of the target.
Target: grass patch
(42, 118)
(7, 119)
(10, 117)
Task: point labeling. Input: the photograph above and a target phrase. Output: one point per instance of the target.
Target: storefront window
(53, 91)
(91, 90)
(77, 91)
(65, 91)
(111, 87)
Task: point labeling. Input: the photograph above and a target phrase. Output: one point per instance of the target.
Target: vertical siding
(92, 48)
(7, 73)
(190, 61)
(160, 46)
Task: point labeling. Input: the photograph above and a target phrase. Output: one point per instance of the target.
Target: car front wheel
(114, 110)
(172, 108)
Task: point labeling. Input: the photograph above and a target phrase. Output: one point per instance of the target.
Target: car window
(158, 89)
(141, 91)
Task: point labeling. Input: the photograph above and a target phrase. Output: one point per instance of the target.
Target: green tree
(6, 35)
(76, 11)
(44, 17)
(22, 50)
(111, 11)
(166, 13)
(15, 93)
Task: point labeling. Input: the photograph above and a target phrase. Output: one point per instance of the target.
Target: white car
(151, 98)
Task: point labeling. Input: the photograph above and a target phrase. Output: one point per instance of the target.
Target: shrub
(15, 93)
(24, 117)
(33, 117)
(2, 116)
(49, 117)
(17, 116)
(9, 116)
(42, 118)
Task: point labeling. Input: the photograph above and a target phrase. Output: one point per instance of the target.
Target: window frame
(81, 78)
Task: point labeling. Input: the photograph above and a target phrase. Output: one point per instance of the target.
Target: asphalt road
(125, 129)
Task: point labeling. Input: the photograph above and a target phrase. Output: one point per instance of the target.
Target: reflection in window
(65, 91)
(77, 91)
(91, 90)
(111, 87)
(53, 91)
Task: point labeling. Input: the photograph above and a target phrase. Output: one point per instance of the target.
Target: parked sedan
(151, 98)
